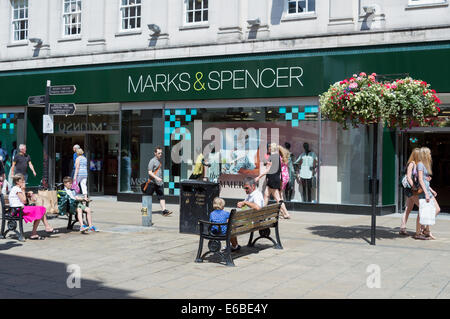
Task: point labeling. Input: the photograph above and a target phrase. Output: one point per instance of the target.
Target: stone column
(230, 21)
(93, 23)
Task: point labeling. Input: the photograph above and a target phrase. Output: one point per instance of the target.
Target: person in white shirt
(18, 199)
(254, 200)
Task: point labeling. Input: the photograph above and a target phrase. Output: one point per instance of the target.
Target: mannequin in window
(213, 165)
(308, 163)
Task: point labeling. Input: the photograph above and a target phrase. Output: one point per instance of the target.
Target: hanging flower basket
(363, 100)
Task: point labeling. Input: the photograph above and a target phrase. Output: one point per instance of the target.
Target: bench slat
(252, 227)
(255, 214)
(237, 223)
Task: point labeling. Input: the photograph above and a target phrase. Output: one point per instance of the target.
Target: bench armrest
(211, 223)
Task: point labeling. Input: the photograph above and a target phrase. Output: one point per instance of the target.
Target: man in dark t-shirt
(21, 162)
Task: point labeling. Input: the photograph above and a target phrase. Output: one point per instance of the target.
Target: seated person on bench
(18, 199)
(81, 206)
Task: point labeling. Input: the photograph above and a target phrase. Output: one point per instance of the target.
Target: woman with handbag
(428, 194)
(411, 186)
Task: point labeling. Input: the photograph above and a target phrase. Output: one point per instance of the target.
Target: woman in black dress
(273, 179)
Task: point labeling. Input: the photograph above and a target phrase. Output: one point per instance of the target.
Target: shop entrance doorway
(101, 151)
(438, 141)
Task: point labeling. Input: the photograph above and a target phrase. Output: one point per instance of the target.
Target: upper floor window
(19, 19)
(196, 11)
(72, 17)
(301, 6)
(131, 14)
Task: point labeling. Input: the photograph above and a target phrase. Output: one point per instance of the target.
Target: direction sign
(61, 108)
(62, 90)
(38, 99)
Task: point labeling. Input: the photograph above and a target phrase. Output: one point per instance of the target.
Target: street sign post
(50, 110)
(61, 108)
(62, 90)
(36, 100)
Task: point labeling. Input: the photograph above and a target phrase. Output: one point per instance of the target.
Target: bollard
(146, 211)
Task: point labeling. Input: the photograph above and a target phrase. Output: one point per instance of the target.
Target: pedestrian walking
(21, 163)
(411, 191)
(3, 154)
(273, 177)
(156, 184)
(424, 172)
(81, 172)
(290, 188)
(74, 157)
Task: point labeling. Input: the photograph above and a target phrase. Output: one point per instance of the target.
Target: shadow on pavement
(23, 277)
(351, 232)
(241, 253)
(9, 245)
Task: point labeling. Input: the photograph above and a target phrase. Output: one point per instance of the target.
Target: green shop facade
(241, 102)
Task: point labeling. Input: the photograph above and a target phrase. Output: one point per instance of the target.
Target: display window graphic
(232, 141)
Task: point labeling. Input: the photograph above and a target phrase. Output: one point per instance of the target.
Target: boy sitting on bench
(81, 206)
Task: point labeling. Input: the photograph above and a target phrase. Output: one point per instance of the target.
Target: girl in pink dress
(18, 198)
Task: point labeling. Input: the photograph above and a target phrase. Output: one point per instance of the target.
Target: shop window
(142, 131)
(301, 6)
(19, 20)
(12, 129)
(234, 141)
(345, 165)
(130, 14)
(196, 11)
(72, 17)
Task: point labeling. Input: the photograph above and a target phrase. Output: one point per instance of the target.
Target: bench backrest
(249, 220)
(4, 201)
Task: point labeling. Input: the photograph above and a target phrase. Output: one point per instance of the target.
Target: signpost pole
(45, 168)
(374, 184)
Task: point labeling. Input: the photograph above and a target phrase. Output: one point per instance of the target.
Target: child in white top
(81, 206)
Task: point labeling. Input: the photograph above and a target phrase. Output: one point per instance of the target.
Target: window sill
(70, 38)
(20, 43)
(299, 17)
(194, 26)
(128, 32)
(426, 5)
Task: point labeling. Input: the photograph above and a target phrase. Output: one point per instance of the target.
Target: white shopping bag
(427, 212)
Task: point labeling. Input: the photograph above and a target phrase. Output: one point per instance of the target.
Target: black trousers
(306, 189)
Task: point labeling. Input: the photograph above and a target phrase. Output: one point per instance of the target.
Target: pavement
(324, 256)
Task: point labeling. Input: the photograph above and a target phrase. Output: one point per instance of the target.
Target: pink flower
(362, 74)
(393, 86)
(353, 85)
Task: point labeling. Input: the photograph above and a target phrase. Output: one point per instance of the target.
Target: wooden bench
(239, 223)
(11, 217)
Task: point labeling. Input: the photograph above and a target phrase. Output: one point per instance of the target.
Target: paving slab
(324, 256)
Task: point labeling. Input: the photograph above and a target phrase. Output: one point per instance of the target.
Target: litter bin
(196, 199)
